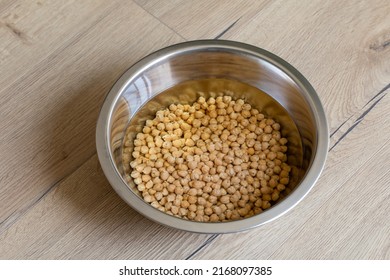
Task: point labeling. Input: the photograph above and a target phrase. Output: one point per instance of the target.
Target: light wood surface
(58, 59)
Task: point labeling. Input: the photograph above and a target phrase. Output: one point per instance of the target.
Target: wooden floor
(58, 59)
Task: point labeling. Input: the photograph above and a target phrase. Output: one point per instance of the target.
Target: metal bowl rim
(120, 186)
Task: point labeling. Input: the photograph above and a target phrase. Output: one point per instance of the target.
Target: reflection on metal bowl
(175, 75)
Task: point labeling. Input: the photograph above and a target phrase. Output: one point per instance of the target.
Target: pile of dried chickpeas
(215, 160)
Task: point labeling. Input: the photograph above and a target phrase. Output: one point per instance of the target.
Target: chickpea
(185, 204)
(192, 207)
(284, 181)
(215, 160)
(275, 196)
(212, 199)
(225, 199)
(266, 205)
(214, 218)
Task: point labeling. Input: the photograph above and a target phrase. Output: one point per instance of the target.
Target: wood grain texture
(201, 19)
(32, 31)
(59, 58)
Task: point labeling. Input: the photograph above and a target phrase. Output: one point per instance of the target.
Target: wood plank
(31, 31)
(83, 218)
(201, 19)
(48, 118)
(357, 150)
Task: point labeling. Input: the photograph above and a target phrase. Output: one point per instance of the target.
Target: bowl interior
(182, 77)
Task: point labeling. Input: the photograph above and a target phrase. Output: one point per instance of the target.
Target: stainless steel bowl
(136, 96)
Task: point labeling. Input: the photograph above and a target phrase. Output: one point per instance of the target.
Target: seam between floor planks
(207, 242)
(163, 23)
(375, 100)
(227, 29)
(383, 92)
